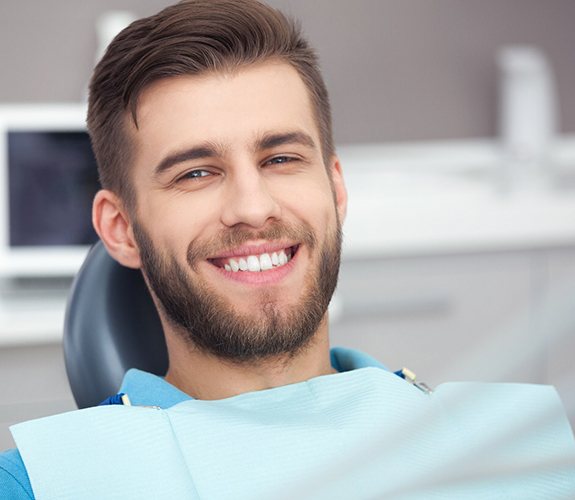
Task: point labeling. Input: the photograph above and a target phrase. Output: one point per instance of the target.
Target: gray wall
(397, 69)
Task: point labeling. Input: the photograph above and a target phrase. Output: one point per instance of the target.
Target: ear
(339, 191)
(113, 226)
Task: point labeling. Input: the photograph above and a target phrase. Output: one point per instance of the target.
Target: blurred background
(397, 70)
(455, 123)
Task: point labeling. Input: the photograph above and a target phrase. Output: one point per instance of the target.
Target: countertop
(404, 200)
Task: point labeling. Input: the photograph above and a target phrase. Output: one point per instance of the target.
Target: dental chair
(111, 325)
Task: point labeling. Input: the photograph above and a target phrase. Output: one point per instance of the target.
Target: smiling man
(235, 222)
(211, 126)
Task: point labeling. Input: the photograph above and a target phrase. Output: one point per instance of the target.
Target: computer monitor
(48, 178)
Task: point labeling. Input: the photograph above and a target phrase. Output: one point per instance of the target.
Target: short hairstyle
(192, 37)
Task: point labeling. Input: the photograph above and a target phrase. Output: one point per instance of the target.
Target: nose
(249, 200)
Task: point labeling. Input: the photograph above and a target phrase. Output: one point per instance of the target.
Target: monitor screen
(48, 178)
(52, 179)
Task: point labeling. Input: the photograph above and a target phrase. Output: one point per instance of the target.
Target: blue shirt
(145, 389)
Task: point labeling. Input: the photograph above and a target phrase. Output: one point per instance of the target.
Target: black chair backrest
(111, 325)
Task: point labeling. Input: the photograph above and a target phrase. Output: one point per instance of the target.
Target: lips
(255, 262)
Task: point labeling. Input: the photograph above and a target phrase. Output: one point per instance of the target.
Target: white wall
(397, 69)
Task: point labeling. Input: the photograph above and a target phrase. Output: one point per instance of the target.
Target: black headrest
(111, 325)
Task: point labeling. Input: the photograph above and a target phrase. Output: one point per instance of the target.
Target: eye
(195, 174)
(278, 160)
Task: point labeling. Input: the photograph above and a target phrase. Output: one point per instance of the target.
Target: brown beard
(207, 321)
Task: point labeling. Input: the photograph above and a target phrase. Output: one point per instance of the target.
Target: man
(211, 126)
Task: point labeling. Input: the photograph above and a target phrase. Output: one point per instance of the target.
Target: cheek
(313, 204)
(312, 190)
(179, 220)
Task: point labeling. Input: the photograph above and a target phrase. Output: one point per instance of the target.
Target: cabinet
(487, 317)
(491, 316)
(557, 320)
(33, 384)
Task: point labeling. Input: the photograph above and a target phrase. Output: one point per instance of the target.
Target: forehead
(231, 109)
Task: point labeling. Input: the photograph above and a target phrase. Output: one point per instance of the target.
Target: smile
(256, 263)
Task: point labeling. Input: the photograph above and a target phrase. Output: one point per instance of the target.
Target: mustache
(232, 237)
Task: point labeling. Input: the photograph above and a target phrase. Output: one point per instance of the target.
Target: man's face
(236, 220)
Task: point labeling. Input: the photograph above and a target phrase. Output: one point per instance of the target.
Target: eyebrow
(269, 141)
(210, 150)
(194, 153)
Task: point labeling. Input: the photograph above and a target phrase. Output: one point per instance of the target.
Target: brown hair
(190, 38)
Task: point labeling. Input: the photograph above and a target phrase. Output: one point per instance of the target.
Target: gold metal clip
(410, 376)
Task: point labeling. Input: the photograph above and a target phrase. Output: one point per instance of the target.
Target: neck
(204, 376)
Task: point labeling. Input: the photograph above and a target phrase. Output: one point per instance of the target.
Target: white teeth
(234, 265)
(263, 262)
(253, 263)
